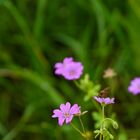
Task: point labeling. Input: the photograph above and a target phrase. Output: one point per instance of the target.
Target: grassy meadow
(35, 34)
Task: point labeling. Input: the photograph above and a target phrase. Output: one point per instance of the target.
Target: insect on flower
(104, 93)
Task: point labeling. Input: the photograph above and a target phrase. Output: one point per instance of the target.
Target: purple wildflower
(60, 66)
(134, 87)
(105, 101)
(69, 69)
(73, 71)
(66, 113)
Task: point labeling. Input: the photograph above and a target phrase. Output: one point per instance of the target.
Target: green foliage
(88, 87)
(35, 34)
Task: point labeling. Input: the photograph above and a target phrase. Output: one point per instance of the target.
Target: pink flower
(66, 113)
(134, 87)
(60, 66)
(73, 71)
(69, 69)
(105, 101)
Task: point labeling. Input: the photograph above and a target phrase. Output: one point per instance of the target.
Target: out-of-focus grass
(34, 35)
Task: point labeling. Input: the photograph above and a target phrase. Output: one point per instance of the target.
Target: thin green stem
(102, 126)
(82, 124)
(103, 115)
(107, 119)
(76, 83)
(103, 110)
(77, 129)
(84, 131)
(100, 137)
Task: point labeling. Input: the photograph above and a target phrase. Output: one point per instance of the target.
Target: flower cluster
(72, 70)
(69, 69)
(134, 87)
(66, 113)
(104, 101)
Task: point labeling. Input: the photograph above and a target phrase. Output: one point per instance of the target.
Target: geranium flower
(66, 113)
(73, 71)
(60, 66)
(134, 87)
(69, 69)
(105, 101)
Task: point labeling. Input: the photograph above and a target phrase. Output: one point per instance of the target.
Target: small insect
(104, 93)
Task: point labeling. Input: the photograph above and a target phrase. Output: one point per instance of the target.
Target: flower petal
(67, 106)
(73, 71)
(57, 113)
(67, 60)
(112, 100)
(61, 120)
(63, 108)
(106, 100)
(134, 87)
(75, 109)
(98, 99)
(58, 65)
(69, 119)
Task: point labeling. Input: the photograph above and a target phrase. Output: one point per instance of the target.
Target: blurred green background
(35, 34)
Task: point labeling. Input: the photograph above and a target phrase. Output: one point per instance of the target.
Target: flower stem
(82, 125)
(76, 83)
(100, 137)
(109, 119)
(77, 129)
(83, 128)
(102, 125)
(103, 110)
